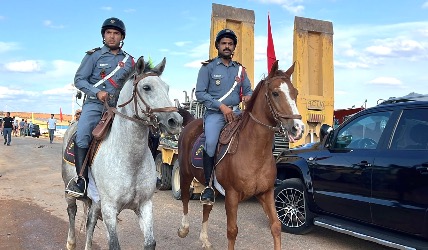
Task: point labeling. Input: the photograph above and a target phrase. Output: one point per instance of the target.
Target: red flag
(271, 58)
(60, 114)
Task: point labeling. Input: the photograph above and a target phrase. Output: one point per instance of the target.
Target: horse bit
(276, 115)
(152, 121)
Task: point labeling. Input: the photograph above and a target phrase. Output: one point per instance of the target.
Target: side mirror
(325, 130)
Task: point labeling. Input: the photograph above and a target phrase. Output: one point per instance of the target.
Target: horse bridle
(152, 121)
(275, 114)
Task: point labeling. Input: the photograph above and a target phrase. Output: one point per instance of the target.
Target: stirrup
(207, 202)
(73, 193)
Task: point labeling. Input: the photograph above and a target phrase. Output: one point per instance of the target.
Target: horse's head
(148, 99)
(280, 96)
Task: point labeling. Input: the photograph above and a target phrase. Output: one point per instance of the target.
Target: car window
(363, 132)
(411, 131)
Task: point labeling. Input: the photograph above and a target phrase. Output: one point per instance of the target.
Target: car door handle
(364, 164)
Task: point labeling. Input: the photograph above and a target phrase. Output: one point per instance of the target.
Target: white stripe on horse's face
(284, 88)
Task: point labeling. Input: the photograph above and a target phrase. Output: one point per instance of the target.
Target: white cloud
(62, 69)
(49, 24)
(6, 47)
(181, 44)
(66, 89)
(194, 64)
(425, 5)
(350, 64)
(385, 81)
(107, 8)
(130, 10)
(291, 6)
(398, 47)
(200, 51)
(24, 66)
(379, 50)
(294, 9)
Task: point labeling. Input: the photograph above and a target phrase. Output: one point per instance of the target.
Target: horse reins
(276, 115)
(148, 112)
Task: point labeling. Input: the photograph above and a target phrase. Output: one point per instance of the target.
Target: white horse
(123, 168)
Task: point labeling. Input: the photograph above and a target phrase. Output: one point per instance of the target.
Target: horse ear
(140, 65)
(290, 71)
(273, 69)
(160, 67)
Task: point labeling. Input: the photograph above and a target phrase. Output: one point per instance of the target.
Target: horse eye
(275, 94)
(147, 88)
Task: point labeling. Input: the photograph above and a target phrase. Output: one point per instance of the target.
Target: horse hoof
(207, 247)
(71, 246)
(183, 231)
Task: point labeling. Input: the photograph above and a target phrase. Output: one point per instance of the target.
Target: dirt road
(33, 212)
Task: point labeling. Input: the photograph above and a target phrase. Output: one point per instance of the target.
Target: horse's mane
(147, 68)
(250, 104)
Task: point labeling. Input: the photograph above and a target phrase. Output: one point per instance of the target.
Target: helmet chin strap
(120, 44)
(226, 57)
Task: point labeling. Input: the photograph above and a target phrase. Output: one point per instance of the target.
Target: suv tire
(291, 202)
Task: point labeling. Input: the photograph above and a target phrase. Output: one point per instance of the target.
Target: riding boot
(207, 196)
(82, 181)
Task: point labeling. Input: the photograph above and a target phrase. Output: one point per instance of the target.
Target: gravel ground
(33, 212)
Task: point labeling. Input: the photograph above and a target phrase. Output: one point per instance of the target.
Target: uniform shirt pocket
(217, 79)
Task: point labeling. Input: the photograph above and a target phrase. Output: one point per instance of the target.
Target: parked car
(36, 131)
(367, 178)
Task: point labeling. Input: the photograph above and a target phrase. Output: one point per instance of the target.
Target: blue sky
(380, 47)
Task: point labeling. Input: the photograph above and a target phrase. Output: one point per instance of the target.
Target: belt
(95, 98)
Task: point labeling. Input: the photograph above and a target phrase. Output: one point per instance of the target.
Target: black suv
(367, 178)
(36, 131)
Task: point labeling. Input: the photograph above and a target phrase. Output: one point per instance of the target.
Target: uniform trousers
(213, 123)
(89, 118)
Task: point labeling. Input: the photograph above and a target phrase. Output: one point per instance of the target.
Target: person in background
(100, 76)
(7, 128)
(221, 81)
(30, 128)
(15, 127)
(51, 127)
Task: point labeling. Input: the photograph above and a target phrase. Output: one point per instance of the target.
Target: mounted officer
(101, 77)
(221, 84)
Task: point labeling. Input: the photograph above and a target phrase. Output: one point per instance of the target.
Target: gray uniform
(214, 80)
(95, 64)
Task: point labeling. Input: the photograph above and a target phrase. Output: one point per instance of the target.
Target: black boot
(207, 196)
(79, 189)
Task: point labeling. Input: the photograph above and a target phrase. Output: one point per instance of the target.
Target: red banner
(60, 114)
(271, 58)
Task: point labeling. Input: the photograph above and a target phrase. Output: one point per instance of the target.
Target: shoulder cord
(111, 73)
(234, 85)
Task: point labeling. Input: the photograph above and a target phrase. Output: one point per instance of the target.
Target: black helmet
(226, 33)
(113, 23)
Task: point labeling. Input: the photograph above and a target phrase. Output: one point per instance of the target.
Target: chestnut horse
(251, 170)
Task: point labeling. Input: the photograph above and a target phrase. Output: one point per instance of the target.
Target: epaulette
(240, 64)
(205, 63)
(90, 52)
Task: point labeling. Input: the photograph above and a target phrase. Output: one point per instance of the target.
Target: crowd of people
(19, 128)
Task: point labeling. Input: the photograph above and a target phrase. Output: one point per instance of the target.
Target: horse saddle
(227, 143)
(69, 150)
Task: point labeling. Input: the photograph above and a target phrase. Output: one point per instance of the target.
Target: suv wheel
(291, 204)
